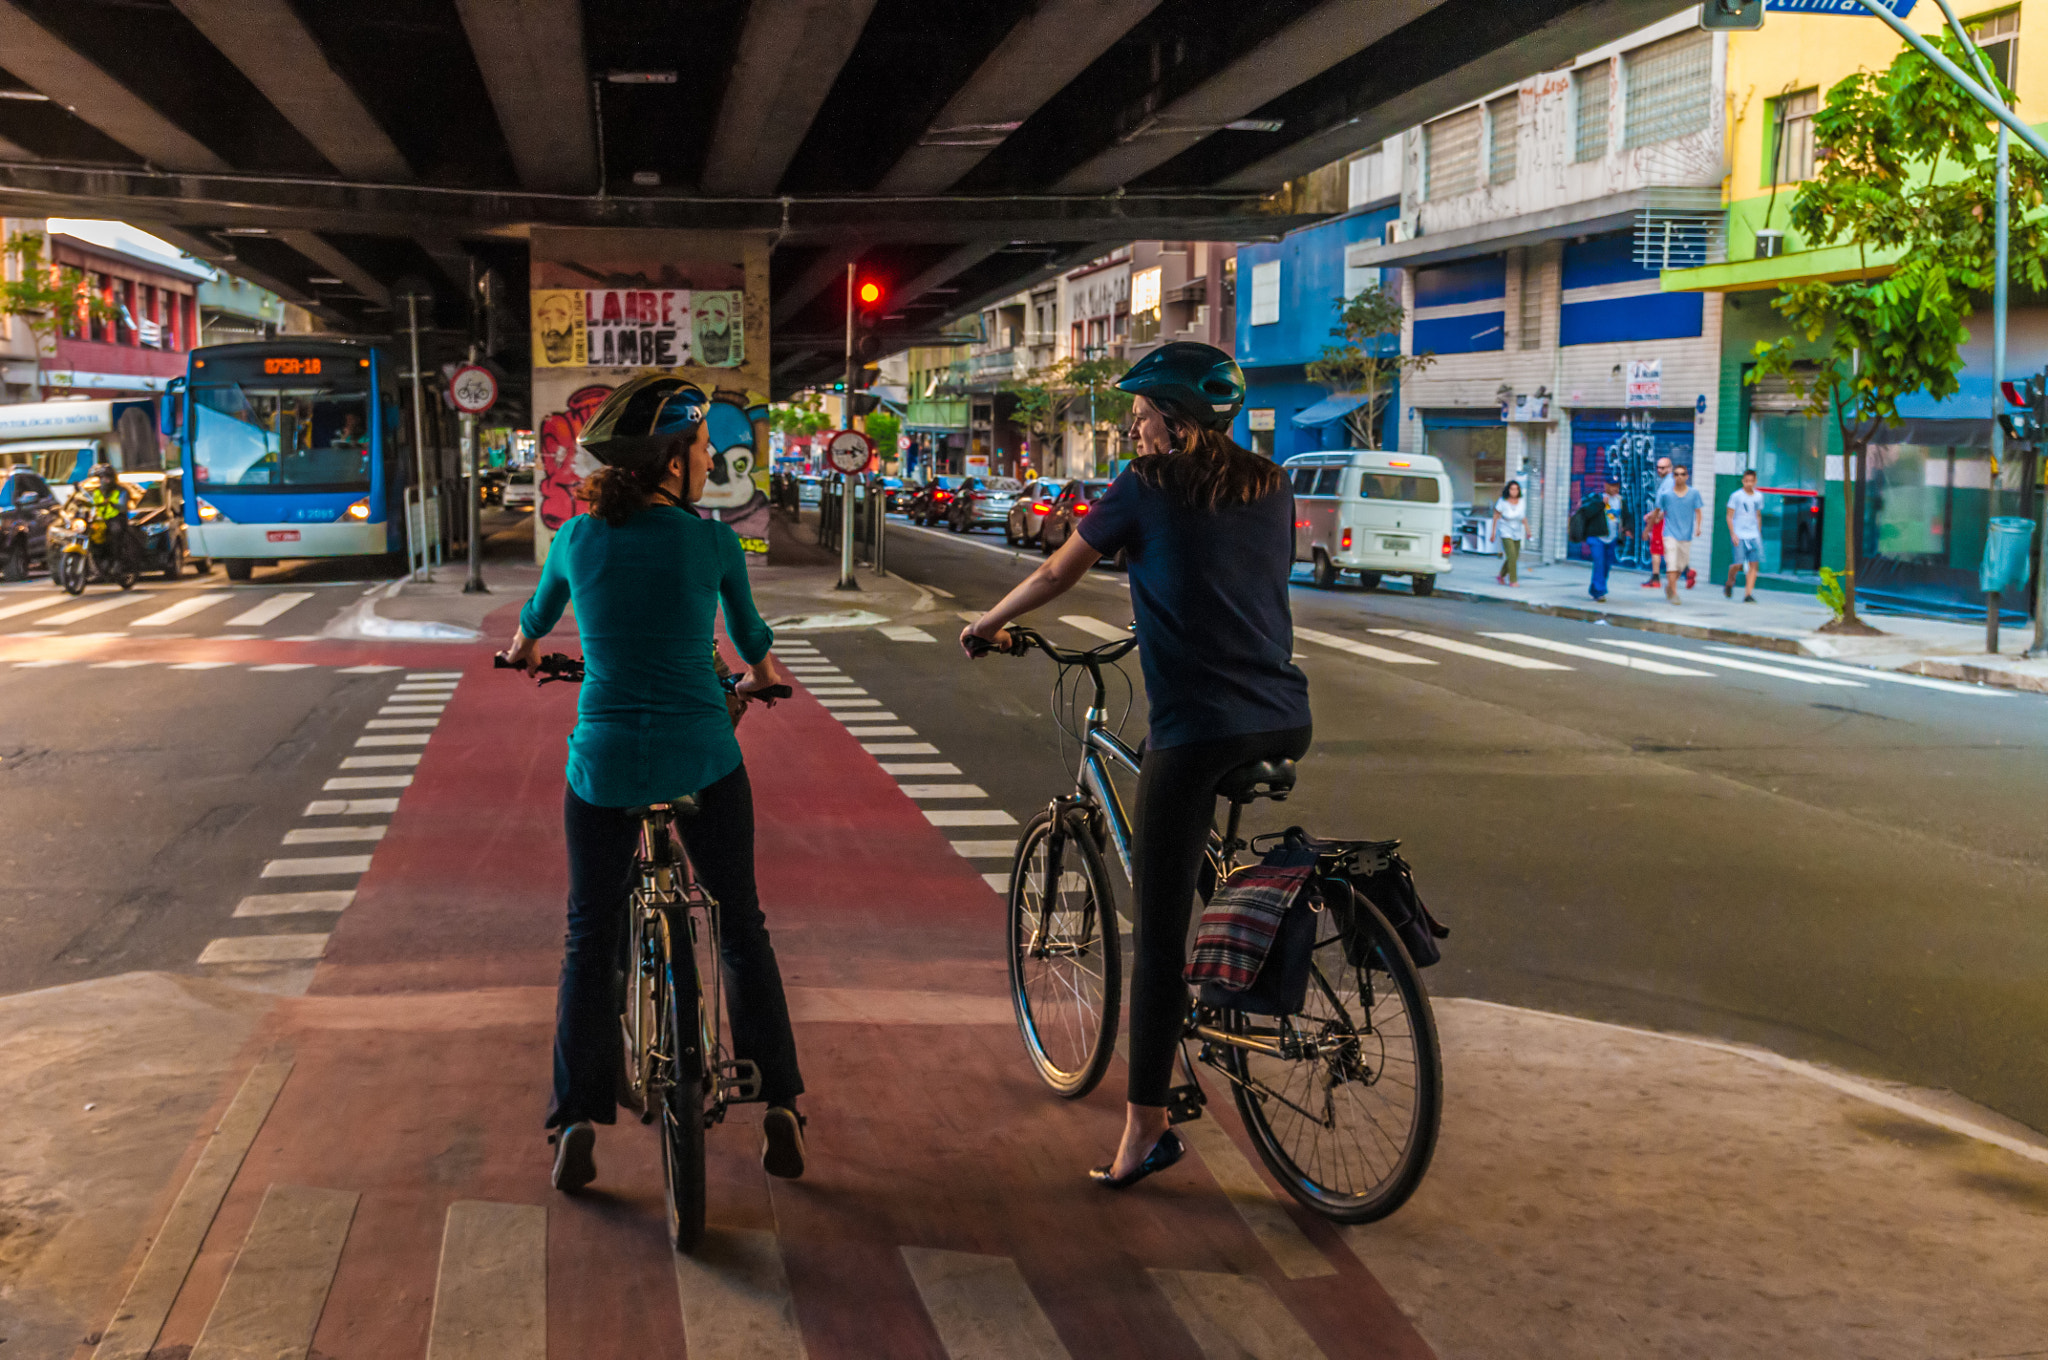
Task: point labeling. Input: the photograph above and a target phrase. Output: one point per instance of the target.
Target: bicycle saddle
(1261, 779)
(679, 808)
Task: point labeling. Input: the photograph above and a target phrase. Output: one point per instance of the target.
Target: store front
(1927, 498)
(1626, 445)
(1473, 445)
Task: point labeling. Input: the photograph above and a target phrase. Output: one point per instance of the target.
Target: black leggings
(602, 843)
(1176, 806)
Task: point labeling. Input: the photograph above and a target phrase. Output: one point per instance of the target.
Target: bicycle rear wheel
(682, 1091)
(1350, 1123)
(1066, 970)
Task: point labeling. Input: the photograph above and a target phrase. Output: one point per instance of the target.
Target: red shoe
(1690, 577)
(1653, 584)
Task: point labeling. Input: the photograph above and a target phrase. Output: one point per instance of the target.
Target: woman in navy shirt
(1208, 530)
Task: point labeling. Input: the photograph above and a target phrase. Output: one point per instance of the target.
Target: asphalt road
(1851, 872)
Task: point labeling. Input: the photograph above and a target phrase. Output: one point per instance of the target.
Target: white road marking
(38, 665)
(1636, 663)
(31, 606)
(903, 632)
(346, 783)
(379, 762)
(836, 704)
(735, 1299)
(882, 732)
(1733, 664)
(1889, 677)
(984, 849)
(943, 790)
(1235, 1317)
(969, 615)
(201, 665)
(86, 611)
(836, 691)
(295, 904)
(900, 768)
(899, 748)
(1097, 627)
(393, 709)
(268, 610)
(183, 609)
(349, 807)
(1493, 654)
(365, 670)
(968, 817)
(861, 715)
(1255, 1203)
(425, 675)
(285, 666)
(981, 1306)
(264, 949)
(491, 1289)
(118, 665)
(402, 722)
(395, 739)
(1364, 649)
(333, 835)
(317, 866)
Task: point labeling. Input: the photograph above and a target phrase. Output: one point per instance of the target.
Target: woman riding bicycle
(1208, 530)
(646, 576)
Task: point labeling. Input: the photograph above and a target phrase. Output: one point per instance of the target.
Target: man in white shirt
(1746, 528)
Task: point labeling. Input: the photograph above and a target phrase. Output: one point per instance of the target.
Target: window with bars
(1503, 134)
(1792, 135)
(1589, 111)
(1669, 90)
(1529, 321)
(1999, 36)
(1450, 149)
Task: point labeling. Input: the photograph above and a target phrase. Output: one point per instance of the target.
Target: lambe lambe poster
(639, 328)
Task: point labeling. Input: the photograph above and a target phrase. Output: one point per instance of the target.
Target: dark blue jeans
(602, 842)
(1602, 553)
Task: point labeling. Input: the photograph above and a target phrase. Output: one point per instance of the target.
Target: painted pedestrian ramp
(376, 1182)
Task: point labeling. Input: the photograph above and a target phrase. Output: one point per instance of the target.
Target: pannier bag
(1252, 949)
(1375, 871)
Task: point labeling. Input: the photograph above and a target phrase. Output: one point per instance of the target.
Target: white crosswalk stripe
(1472, 649)
(902, 632)
(1096, 627)
(943, 790)
(1889, 677)
(21, 607)
(91, 610)
(182, 609)
(1364, 649)
(1636, 663)
(269, 609)
(1734, 664)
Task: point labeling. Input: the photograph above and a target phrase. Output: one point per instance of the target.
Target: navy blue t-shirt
(1215, 635)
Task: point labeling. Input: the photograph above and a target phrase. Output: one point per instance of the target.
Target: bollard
(1991, 622)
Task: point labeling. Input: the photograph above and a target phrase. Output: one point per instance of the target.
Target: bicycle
(1342, 1099)
(674, 1066)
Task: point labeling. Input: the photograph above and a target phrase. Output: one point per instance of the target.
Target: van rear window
(1314, 481)
(1387, 486)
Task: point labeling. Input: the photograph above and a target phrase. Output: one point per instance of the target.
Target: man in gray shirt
(1683, 514)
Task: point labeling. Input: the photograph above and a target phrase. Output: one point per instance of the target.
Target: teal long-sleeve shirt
(651, 721)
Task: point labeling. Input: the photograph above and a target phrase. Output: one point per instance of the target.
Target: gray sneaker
(782, 1143)
(574, 1165)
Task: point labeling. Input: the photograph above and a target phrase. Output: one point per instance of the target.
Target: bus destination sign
(287, 365)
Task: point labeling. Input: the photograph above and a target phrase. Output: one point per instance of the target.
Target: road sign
(848, 451)
(473, 390)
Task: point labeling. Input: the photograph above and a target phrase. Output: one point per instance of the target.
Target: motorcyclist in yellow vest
(107, 519)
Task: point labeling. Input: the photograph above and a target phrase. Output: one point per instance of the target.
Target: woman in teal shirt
(646, 576)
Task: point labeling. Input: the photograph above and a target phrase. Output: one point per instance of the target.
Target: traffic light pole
(846, 577)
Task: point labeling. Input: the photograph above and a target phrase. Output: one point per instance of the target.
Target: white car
(1374, 512)
(519, 489)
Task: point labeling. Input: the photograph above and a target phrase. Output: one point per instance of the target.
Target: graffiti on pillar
(563, 466)
(736, 491)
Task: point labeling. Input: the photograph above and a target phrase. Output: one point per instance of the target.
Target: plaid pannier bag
(1252, 947)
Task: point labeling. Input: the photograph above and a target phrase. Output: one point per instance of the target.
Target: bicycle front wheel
(1346, 1114)
(1066, 969)
(682, 1091)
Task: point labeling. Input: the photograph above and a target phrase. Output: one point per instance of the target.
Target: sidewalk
(1779, 620)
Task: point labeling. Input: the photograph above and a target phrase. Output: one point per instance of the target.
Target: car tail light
(1447, 546)
(1040, 508)
(1080, 507)
(1344, 544)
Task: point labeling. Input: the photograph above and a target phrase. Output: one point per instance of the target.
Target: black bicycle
(674, 1066)
(1342, 1099)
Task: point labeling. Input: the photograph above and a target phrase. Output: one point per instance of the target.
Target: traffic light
(1731, 14)
(867, 319)
(2027, 421)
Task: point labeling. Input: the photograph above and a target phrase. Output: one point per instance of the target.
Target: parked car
(933, 501)
(27, 505)
(897, 492)
(983, 503)
(1373, 512)
(1028, 512)
(519, 489)
(1073, 503)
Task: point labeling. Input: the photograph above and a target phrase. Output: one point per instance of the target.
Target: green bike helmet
(1200, 382)
(637, 423)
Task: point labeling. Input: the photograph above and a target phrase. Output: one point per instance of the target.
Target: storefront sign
(1902, 8)
(638, 328)
(1645, 383)
(1261, 417)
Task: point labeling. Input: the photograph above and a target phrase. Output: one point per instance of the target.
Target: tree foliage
(45, 296)
(1362, 363)
(801, 415)
(1909, 174)
(1071, 390)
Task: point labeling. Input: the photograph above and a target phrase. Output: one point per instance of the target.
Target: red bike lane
(944, 1213)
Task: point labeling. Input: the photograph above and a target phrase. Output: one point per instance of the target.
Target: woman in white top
(1510, 525)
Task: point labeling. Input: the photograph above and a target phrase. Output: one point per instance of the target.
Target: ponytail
(1207, 468)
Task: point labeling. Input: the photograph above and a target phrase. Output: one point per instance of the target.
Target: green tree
(1082, 390)
(1910, 172)
(44, 296)
(1360, 365)
(802, 415)
(883, 427)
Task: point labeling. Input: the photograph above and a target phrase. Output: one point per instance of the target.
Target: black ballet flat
(1168, 1150)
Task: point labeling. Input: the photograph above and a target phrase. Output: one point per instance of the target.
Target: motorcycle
(80, 553)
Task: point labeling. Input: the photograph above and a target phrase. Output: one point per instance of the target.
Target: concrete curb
(1978, 675)
(1763, 641)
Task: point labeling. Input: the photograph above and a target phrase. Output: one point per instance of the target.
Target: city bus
(290, 449)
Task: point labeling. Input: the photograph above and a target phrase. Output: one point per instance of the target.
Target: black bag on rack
(1375, 871)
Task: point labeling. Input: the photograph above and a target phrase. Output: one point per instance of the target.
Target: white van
(1373, 512)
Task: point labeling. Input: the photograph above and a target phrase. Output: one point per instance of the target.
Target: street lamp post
(424, 570)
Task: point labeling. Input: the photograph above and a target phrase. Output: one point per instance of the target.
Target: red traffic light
(871, 292)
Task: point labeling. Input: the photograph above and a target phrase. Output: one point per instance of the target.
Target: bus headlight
(359, 511)
(207, 513)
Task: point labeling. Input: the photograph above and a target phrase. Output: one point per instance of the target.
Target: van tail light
(1447, 545)
(1344, 544)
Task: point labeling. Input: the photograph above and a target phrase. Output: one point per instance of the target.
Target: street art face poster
(639, 328)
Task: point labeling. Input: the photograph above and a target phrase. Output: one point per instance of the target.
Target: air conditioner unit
(1397, 232)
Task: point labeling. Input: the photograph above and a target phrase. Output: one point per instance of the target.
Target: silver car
(984, 503)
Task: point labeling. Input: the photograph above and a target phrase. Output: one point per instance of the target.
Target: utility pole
(475, 584)
(424, 571)
(846, 577)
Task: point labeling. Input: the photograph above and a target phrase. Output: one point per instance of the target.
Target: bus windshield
(257, 431)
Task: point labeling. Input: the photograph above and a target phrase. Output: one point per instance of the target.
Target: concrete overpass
(336, 150)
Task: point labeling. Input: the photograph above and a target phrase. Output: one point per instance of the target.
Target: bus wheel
(239, 568)
(201, 566)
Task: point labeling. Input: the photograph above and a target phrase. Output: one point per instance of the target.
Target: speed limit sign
(848, 451)
(473, 389)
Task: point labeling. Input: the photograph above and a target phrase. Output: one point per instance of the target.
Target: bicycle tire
(682, 1094)
(638, 1018)
(1069, 1044)
(1403, 1022)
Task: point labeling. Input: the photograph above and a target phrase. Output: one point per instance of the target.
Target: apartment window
(1450, 151)
(1529, 319)
(1792, 135)
(1503, 135)
(1999, 36)
(1589, 111)
(1670, 89)
(1364, 185)
(1266, 293)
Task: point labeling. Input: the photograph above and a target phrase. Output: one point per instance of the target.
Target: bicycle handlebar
(558, 666)
(1023, 639)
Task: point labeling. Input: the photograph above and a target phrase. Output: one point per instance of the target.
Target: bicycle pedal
(1184, 1103)
(740, 1079)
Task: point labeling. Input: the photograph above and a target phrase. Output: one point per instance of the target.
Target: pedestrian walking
(1653, 526)
(1604, 545)
(1683, 515)
(1510, 526)
(1746, 529)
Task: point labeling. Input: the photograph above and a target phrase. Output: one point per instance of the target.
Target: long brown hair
(1207, 468)
(616, 494)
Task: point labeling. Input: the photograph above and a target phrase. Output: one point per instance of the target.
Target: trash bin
(2008, 555)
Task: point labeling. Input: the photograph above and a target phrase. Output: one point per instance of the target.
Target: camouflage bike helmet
(1199, 381)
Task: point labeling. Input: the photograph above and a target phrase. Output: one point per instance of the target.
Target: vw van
(1374, 512)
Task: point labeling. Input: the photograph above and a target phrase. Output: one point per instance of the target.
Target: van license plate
(1397, 545)
(283, 535)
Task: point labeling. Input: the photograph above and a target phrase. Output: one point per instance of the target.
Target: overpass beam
(790, 53)
(531, 56)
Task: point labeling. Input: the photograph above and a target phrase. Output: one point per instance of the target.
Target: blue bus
(290, 449)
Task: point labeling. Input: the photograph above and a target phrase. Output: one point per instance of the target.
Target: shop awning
(1328, 410)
